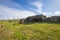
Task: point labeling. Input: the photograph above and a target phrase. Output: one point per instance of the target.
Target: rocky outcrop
(36, 18)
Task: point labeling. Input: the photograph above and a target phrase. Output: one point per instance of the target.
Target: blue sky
(12, 9)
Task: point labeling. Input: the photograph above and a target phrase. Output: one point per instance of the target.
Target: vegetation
(12, 30)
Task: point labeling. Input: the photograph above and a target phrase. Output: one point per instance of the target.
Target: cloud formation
(39, 6)
(11, 13)
(11, 4)
(12, 9)
(57, 13)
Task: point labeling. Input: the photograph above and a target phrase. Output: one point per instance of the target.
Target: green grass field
(12, 30)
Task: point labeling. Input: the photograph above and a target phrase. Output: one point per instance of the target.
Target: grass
(11, 30)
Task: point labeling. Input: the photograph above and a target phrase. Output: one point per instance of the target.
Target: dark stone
(36, 18)
(54, 19)
(21, 21)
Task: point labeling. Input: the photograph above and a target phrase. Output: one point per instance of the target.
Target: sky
(14, 9)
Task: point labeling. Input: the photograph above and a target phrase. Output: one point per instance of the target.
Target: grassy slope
(11, 30)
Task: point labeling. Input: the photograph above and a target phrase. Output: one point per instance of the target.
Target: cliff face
(40, 18)
(36, 18)
(54, 19)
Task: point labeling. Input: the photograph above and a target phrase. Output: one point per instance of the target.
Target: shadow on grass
(53, 22)
(27, 23)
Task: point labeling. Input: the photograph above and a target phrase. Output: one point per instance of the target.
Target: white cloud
(37, 4)
(57, 13)
(48, 14)
(12, 13)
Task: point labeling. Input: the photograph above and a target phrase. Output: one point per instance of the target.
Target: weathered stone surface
(21, 21)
